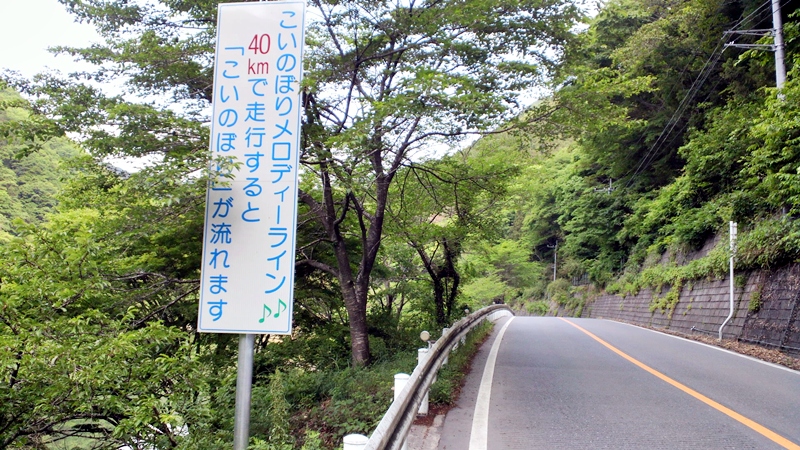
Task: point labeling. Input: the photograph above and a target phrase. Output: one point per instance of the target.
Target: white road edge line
(776, 366)
(479, 436)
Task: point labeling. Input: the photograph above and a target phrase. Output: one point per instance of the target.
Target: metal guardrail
(393, 428)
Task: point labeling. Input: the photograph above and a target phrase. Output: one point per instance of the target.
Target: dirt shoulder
(756, 351)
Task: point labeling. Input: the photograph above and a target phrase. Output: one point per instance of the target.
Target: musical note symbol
(280, 303)
(264, 313)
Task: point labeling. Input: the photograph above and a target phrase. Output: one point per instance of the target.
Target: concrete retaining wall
(767, 308)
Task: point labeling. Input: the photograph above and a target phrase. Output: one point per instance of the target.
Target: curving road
(586, 384)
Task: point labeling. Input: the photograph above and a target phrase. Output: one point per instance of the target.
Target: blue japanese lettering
(282, 232)
(225, 142)
(214, 186)
(224, 98)
(215, 310)
(287, 62)
(281, 151)
(216, 253)
(280, 102)
(280, 169)
(217, 174)
(253, 189)
(280, 285)
(253, 160)
(223, 206)
(283, 84)
(221, 233)
(277, 260)
(281, 192)
(228, 118)
(290, 14)
(284, 129)
(249, 209)
(255, 112)
(257, 133)
(225, 72)
(256, 83)
(216, 284)
(282, 45)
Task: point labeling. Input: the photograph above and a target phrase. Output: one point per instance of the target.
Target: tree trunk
(438, 299)
(355, 302)
(353, 289)
(451, 253)
(355, 286)
(451, 295)
(435, 272)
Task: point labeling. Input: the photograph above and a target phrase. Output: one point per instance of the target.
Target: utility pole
(555, 258)
(777, 25)
(777, 46)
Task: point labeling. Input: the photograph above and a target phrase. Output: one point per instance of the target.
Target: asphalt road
(555, 386)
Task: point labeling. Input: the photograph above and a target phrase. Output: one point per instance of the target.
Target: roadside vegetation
(651, 137)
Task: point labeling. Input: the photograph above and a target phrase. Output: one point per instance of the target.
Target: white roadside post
(247, 276)
(400, 381)
(733, 233)
(464, 337)
(355, 442)
(422, 356)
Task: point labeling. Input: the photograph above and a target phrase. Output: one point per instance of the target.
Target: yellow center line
(764, 431)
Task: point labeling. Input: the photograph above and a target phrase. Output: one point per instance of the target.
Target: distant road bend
(554, 383)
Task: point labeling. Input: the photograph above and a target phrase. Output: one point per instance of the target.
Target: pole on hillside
(555, 261)
(244, 384)
(777, 45)
(777, 25)
(555, 258)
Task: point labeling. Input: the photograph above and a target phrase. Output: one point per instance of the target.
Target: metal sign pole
(244, 384)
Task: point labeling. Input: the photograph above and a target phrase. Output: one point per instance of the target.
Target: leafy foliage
(623, 193)
(99, 268)
(29, 181)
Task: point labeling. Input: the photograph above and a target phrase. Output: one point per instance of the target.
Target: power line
(705, 72)
(676, 116)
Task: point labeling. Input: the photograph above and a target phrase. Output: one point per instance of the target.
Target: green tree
(77, 359)
(406, 76)
(382, 82)
(442, 203)
(29, 181)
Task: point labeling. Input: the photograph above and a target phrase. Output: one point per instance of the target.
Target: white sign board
(251, 210)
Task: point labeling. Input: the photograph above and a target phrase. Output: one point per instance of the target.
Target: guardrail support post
(400, 381)
(422, 356)
(446, 358)
(400, 415)
(355, 442)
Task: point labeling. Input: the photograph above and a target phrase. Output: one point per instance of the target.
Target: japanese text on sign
(249, 238)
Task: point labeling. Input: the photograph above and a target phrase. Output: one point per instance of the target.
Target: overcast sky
(28, 27)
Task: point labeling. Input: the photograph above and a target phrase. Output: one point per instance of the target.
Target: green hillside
(29, 181)
(651, 137)
(670, 137)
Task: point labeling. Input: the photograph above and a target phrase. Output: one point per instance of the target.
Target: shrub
(538, 307)
(445, 390)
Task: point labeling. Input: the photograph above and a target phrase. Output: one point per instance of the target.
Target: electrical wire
(705, 72)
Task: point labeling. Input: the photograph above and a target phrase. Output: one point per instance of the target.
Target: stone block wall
(766, 308)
